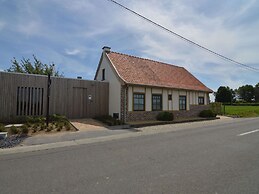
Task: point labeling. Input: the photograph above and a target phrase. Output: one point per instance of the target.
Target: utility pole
(48, 95)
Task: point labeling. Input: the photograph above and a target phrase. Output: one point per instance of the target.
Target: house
(141, 88)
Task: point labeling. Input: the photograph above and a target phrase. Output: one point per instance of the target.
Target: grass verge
(242, 111)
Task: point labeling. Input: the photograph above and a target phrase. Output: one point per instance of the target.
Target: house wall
(114, 85)
(192, 107)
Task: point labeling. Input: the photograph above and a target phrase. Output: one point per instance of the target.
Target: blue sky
(72, 33)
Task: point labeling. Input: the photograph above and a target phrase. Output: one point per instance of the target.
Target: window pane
(138, 101)
(156, 102)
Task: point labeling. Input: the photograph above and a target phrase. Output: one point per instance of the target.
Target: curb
(171, 122)
(31, 148)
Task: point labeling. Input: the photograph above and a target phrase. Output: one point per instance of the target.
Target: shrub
(109, 120)
(2, 128)
(59, 126)
(207, 113)
(49, 128)
(165, 116)
(25, 129)
(67, 126)
(35, 119)
(58, 118)
(42, 126)
(14, 130)
(216, 107)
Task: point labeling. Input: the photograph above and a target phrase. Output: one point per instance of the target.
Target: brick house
(141, 88)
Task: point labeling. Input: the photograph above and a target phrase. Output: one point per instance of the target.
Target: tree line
(245, 93)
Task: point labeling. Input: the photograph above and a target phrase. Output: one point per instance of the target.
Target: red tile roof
(139, 71)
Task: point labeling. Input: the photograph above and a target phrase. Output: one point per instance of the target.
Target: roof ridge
(162, 63)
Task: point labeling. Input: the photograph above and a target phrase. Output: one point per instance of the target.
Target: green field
(242, 111)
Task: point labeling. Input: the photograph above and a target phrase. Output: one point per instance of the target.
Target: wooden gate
(80, 102)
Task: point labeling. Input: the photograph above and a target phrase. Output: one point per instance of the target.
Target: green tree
(35, 67)
(224, 95)
(247, 93)
(256, 89)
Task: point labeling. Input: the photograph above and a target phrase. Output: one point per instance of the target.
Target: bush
(2, 128)
(42, 126)
(207, 114)
(58, 118)
(216, 107)
(59, 126)
(49, 128)
(25, 129)
(14, 130)
(35, 119)
(109, 120)
(165, 116)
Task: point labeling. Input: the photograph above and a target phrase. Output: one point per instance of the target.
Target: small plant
(49, 128)
(2, 128)
(14, 130)
(58, 118)
(35, 119)
(67, 126)
(207, 114)
(165, 116)
(25, 129)
(109, 120)
(29, 125)
(59, 126)
(35, 127)
(42, 126)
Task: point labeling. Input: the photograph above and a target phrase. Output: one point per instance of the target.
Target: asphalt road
(218, 158)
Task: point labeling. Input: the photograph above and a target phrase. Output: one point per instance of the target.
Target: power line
(186, 39)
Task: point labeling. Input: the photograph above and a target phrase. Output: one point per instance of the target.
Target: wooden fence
(26, 95)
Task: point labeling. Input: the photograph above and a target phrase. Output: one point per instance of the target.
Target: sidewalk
(93, 135)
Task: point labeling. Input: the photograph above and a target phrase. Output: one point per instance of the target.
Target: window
(29, 101)
(138, 102)
(201, 100)
(169, 96)
(103, 74)
(156, 102)
(182, 102)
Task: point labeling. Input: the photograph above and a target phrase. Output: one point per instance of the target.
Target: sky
(71, 34)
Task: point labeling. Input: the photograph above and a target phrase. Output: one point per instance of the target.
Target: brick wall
(151, 115)
(124, 103)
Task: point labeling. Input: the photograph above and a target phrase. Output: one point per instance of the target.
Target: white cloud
(72, 52)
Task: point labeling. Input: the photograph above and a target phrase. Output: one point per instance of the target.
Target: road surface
(218, 158)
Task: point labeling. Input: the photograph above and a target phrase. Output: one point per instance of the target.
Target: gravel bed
(11, 141)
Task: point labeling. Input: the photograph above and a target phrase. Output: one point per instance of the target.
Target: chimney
(106, 49)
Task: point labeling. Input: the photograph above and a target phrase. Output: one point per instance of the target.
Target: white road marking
(246, 133)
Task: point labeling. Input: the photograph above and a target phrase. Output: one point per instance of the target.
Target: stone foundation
(151, 115)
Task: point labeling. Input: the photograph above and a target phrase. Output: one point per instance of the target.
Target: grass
(243, 111)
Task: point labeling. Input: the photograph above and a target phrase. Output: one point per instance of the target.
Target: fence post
(48, 95)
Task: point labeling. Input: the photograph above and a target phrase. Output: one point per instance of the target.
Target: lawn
(243, 111)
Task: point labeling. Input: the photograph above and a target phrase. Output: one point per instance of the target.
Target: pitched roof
(140, 71)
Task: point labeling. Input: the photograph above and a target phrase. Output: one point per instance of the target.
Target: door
(79, 102)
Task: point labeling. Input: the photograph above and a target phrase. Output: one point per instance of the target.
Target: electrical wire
(186, 39)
